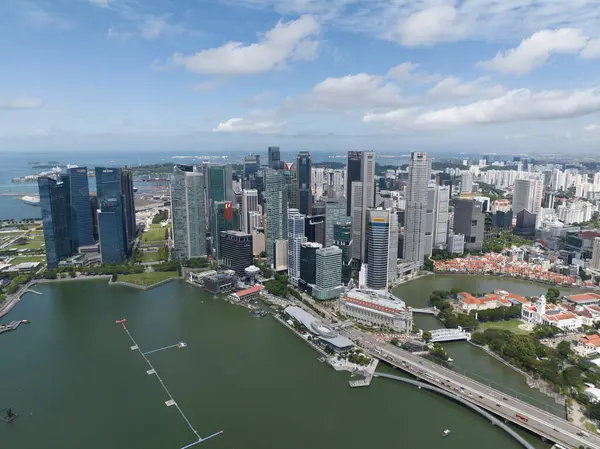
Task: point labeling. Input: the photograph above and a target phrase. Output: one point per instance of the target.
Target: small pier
(8, 415)
(13, 325)
(30, 290)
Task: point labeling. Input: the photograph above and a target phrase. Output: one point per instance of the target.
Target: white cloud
(432, 25)
(591, 128)
(100, 3)
(453, 87)
(241, 125)
(535, 50)
(153, 27)
(286, 41)
(38, 15)
(591, 50)
(406, 71)
(21, 103)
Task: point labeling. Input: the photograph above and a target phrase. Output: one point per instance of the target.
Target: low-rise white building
(376, 308)
(550, 314)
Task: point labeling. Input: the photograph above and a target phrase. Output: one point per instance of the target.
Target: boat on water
(25, 321)
(31, 200)
(258, 313)
(445, 433)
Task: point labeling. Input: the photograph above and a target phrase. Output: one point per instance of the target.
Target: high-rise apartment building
(469, 220)
(82, 224)
(295, 238)
(275, 158)
(187, 212)
(416, 207)
(596, 254)
(275, 209)
(335, 209)
(56, 218)
(112, 215)
(249, 204)
(382, 246)
(304, 180)
(328, 281)
(236, 251)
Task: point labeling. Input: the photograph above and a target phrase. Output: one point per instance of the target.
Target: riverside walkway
(538, 421)
(495, 421)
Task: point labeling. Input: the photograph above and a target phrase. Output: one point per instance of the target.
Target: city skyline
(344, 74)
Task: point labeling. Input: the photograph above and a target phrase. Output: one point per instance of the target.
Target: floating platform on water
(13, 325)
(8, 415)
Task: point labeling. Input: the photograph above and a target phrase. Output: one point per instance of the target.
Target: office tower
(255, 221)
(528, 195)
(353, 170)
(382, 244)
(281, 255)
(526, 222)
(357, 224)
(236, 251)
(295, 238)
(416, 207)
(187, 212)
(502, 219)
(342, 238)
(94, 209)
(112, 227)
(289, 174)
(466, 182)
(445, 179)
(225, 217)
(251, 165)
(303, 178)
(56, 218)
(308, 264)
(328, 279)
(237, 194)
(318, 208)
(367, 176)
(469, 220)
(430, 214)
(82, 224)
(275, 210)
(440, 223)
(128, 203)
(249, 204)
(221, 183)
(275, 158)
(596, 254)
(335, 209)
(314, 228)
(455, 243)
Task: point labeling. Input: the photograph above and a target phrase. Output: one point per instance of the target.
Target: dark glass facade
(225, 217)
(342, 238)
(353, 169)
(314, 229)
(56, 218)
(82, 223)
(308, 263)
(128, 202)
(236, 251)
(275, 158)
(303, 178)
(112, 226)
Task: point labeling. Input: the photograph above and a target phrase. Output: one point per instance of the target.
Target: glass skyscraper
(56, 218)
(187, 205)
(220, 182)
(128, 202)
(416, 207)
(225, 217)
(112, 226)
(275, 209)
(82, 224)
(303, 178)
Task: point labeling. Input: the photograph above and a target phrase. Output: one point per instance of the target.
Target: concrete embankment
(144, 287)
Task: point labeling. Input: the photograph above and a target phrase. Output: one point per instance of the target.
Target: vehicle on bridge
(522, 418)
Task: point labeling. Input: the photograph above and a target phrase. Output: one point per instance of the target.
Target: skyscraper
(251, 165)
(328, 280)
(367, 177)
(304, 180)
(221, 183)
(596, 254)
(440, 223)
(466, 182)
(353, 170)
(416, 207)
(357, 224)
(335, 209)
(295, 238)
(314, 228)
(289, 174)
(382, 244)
(82, 225)
(275, 158)
(56, 218)
(128, 203)
(342, 238)
(308, 264)
(275, 209)
(236, 251)
(249, 204)
(528, 194)
(187, 206)
(225, 217)
(469, 220)
(112, 224)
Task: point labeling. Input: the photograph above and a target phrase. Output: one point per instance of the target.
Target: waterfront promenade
(538, 421)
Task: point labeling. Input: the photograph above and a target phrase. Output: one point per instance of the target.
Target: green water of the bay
(76, 384)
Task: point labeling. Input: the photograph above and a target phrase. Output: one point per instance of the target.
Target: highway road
(532, 418)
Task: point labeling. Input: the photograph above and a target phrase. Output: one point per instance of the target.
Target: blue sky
(510, 76)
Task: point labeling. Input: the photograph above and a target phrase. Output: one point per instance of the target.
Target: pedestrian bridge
(426, 310)
(440, 335)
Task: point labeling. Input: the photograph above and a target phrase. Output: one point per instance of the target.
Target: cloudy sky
(389, 75)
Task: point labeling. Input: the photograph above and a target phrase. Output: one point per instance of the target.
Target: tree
(394, 341)
(564, 349)
(263, 254)
(553, 294)
(427, 336)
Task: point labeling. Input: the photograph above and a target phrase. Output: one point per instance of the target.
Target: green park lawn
(31, 244)
(21, 259)
(153, 235)
(150, 256)
(148, 278)
(510, 325)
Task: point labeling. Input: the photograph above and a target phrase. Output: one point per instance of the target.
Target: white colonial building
(550, 314)
(376, 308)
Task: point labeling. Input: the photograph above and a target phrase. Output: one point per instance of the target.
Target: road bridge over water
(441, 335)
(538, 421)
(427, 310)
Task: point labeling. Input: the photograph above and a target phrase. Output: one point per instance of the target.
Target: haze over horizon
(506, 76)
